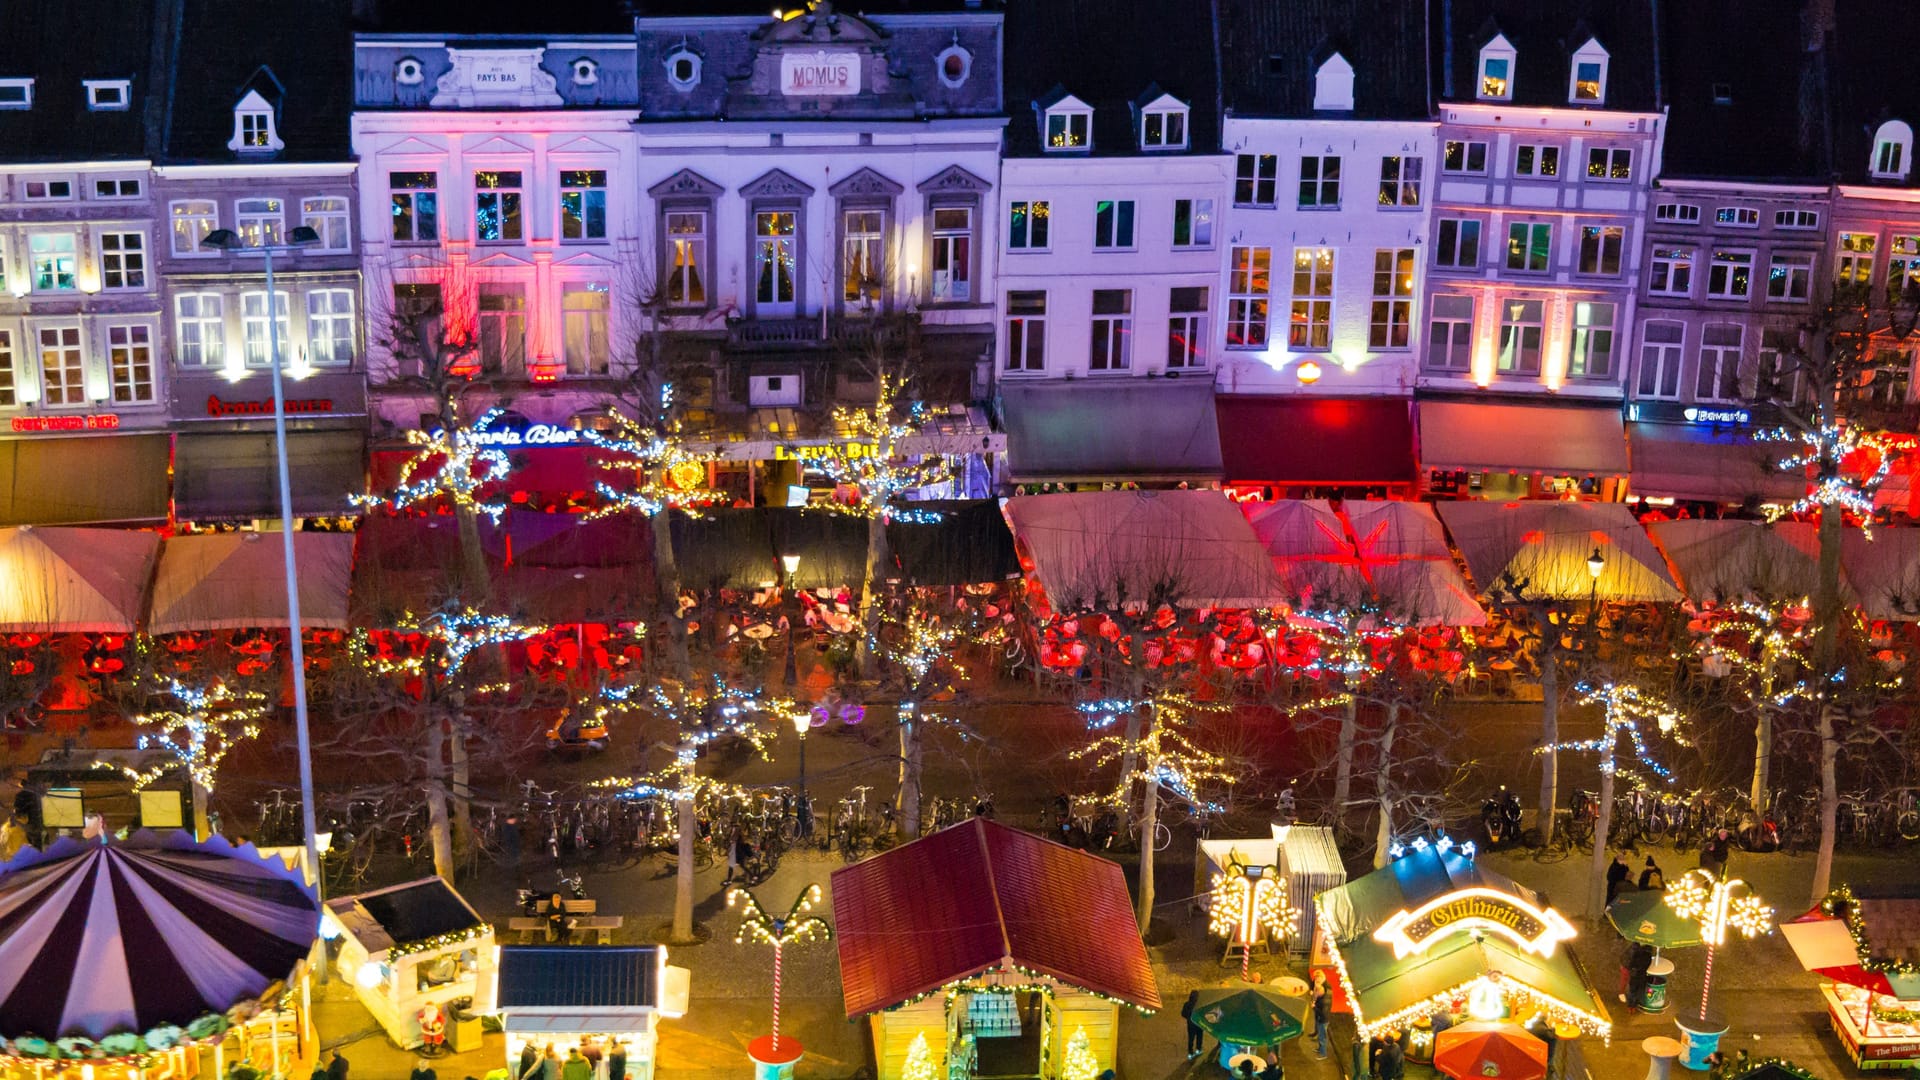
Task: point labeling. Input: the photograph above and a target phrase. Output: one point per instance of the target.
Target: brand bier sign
(819, 74)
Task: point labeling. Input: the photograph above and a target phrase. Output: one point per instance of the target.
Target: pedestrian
(1651, 877)
(549, 1063)
(422, 1071)
(1273, 1070)
(1322, 1013)
(529, 1063)
(1195, 1036)
(577, 1067)
(1246, 1067)
(617, 1062)
(319, 1070)
(1393, 1060)
(337, 1066)
(1376, 1046)
(1640, 960)
(510, 840)
(1617, 872)
(1713, 857)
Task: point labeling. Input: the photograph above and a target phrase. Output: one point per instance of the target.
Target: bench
(527, 927)
(603, 925)
(580, 907)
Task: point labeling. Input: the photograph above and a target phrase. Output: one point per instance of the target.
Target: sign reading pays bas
(1475, 910)
(819, 74)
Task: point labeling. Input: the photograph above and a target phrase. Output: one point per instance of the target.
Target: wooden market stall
(603, 1000)
(1867, 949)
(984, 951)
(412, 951)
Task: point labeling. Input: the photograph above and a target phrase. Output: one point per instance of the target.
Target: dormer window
(1892, 151)
(1496, 69)
(108, 95)
(408, 72)
(585, 72)
(1587, 80)
(253, 127)
(1163, 124)
(954, 64)
(1333, 85)
(1069, 126)
(683, 69)
(16, 93)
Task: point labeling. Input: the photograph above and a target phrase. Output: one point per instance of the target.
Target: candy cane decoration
(793, 928)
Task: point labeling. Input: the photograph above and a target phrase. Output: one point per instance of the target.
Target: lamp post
(1718, 904)
(230, 242)
(1596, 564)
(791, 564)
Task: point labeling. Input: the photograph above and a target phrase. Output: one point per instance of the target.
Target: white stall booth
(411, 951)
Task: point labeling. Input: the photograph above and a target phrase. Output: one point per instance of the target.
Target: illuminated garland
(1164, 757)
(439, 941)
(1717, 904)
(1036, 982)
(667, 475)
(1841, 904)
(796, 927)
(702, 713)
(459, 634)
(468, 464)
(864, 459)
(199, 733)
(1768, 631)
(1834, 443)
(1625, 708)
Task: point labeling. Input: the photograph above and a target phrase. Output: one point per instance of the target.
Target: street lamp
(1596, 563)
(303, 236)
(1718, 904)
(791, 564)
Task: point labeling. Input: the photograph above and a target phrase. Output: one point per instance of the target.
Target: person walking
(1195, 1036)
(1637, 965)
(1322, 1013)
(1713, 857)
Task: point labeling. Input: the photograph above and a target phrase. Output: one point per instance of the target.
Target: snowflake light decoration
(864, 458)
(198, 733)
(467, 460)
(1718, 904)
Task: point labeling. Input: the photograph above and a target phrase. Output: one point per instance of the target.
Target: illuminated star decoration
(199, 733)
(1834, 443)
(1718, 904)
(1248, 905)
(460, 633)
(701, 714)
(864, 458)
(794, 928)
(1165, 756)
(468, 462)
(1625, 709)
(667, 475)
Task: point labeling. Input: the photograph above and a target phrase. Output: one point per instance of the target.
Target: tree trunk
(1343, 763)
(1149, 821)
(459, 781)
(439, 825)
(906, 807)
(1602, 821)
(668, 624)
(1549, 735)
(682, 933)
(865, 653)
(1130, 756)
(1826, 637)
(201, 829)
(476, 589)
(1763, 737)
(1383, 836)
(475, 583)
(1829, 804)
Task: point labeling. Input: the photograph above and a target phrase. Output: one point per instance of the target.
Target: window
(1533, 160)
(1113, 223)
(1739, 217)
(863, 249)
(585, 72)
(108, 95)
(1600, 247)
(1163, 129)
(687, 258)
(330, 327)
(1400, 181)
(1387, 327)
(952, 276)
(1112, 330)
(1660, 346)
(1067, 129)
(1776, 379)
(199, 330)
(1890, 381)
(16, 93)
(774, 258)
(9, 388)
(130, 362)
(583, 204)
(1681, 213)
(683, 69)
(1520, 330)
(1604, 163)
(1796, 219)
(62, 373)
(193, 219)
(1333, 85)
(954, 64)
(1256, 179)
(1730, 276)
(49, 190)
(416, 207)
(1589, 81)
(1789, 277)
(1529, 246)
(1187, 327)
(54, 258)
(126, 188)
(1853, 265)
(1496, 70)
(1671, 272)
(1027, 226)
(1192, 223)
(1310, 324)
(253, 131)
(1249, 287)
(503, 329)
(1027, 330)
(496, 206)
(1590, 355)
(1722, 93)
(1892, 150)
(260, 221)
(1450, 334)
(327, 216)
(255, 333)
(123, 260)
(1320, 181)
(1457, 243)
(1718, 376)
(1903, 267)
(1459, 156)
(584, 309)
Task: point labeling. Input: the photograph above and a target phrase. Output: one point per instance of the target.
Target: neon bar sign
(87, 422)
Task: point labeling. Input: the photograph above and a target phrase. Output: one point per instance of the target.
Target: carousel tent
(1540, 549)
(99, 939)
(1884, 571)
(237, 581)
(1191, 549)
(73, 581)
(1722, 560)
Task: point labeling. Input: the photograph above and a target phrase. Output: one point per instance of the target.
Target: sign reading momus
(1538, 930)
(820, 73)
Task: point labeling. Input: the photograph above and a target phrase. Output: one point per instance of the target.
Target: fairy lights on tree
(796, 927)
(1625, 709)
(666, 474)
(1079, 1062)
(457, 635)
(197, 734)
(866, 458)
(920, 653)
(1824, 448)
(458, 462)
(1248, 905)
(1719, 905)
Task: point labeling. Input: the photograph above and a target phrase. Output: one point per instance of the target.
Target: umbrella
(1247, 1016)
(1722, 560)
(232, 581)
(1481, 1049)
(1645, 917)
(1541, 548)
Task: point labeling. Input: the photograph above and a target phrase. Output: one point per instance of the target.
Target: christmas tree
(1080, 1063)
(919, 1064)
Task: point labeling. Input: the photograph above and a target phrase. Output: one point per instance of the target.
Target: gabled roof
(1107, 55)
(298, 57)
(570, 977)
(58, 43)
(1269, 53)
(1544, 37)
(1769, 127)
(1871, 80)
(969, 898)
(405, 913)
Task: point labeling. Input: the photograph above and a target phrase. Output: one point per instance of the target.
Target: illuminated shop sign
(86, 422)
(1702, 415)
(1535, 929)
(217, 406)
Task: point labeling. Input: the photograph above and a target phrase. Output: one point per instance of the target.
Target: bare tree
(919, 649)
(197, 729)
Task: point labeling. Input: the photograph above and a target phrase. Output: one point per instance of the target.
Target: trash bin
(1654, 998)
(463, 1032)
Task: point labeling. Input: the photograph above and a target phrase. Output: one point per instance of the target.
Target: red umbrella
(1477, 1049)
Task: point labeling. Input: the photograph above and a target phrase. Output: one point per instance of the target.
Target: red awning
(962, 901)
(1303, 440)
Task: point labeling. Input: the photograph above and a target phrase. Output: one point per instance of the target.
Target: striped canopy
(97, 939)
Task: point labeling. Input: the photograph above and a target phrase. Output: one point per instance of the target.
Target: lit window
(686, 258)
(192, 220)
(1113, 223)
(1790, 277)
(1027, 226)
(1536, 161)
(1660, 353)
(330, 327)
(1903, 268)
(63, 372)
(1320, 181)
(1163, 129)
(583, 204)
(54, 257)
(1609, 163)
(1187, 327)
(1256, 178)
(416, 207)
(200, 330)
(1310, 322)
(123, 260)
(1730, 275)
(1027, 330)
(130, 363)
(327, 217)
(1587, 80)
(1249, 290)
(584, 310)
(1462, 156)
(775, 274)
(258, 336)
(1388, 326)
(952, 276)
(1853, 264)
(1457, 243)
(108, 95)
(1739, 217)
(1600, 248)
(253, 127)
(1112, 346)
(1400, 181)
(1069, 128)
(1670, 272)
(503, 329)
(1450, 333)
(260, 222)
(496, 206)
(1530, 247)
(1590, 354)
(1192, 223)
(863, 250)
(1521, 327)
(1496, 70)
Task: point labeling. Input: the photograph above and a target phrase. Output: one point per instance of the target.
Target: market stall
(1434, 933)
(1020, 946)
(605, 1001)
(413, 952)
(1868, 950)
(1304, 855)
(160, 956)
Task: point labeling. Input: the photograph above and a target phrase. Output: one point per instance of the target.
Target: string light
(1248, 905)
(701, 713)
(794, 928)
(666, 474)
(866, 458)
(468, 463)
(439, 941)
(460, 633)
(1165, 755)
(1824, 447)
(1079, 1062)
(199, 733)
(1625, 708)
(1840, 904)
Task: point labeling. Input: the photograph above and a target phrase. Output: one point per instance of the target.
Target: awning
(74, 581)
(1103, 549)
(608, 1022)
(233, 581)
(1121, 429)
(1539, 549)
(1384, 552)
(1308, 544)
(1702, 464)
(84, 481)
(1557, 440)
(1315, 440)
(1725, 560)
(236, 475)
(1884, 572)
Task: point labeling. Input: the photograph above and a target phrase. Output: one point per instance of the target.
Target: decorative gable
(1163, 120)
(254, 129)
(1333, 85)
(1494, 81)
(775, 183)
(866, 182)
(951, 179)
(1066, 123)
(686, 184)
(1587, 77)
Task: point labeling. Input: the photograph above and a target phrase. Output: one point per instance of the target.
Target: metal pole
(297, 647)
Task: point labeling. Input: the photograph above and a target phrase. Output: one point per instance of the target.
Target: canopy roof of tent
(1098, 549)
